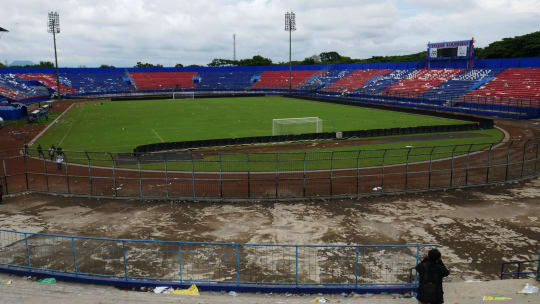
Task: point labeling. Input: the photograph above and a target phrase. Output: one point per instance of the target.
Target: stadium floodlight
(53, 26)
(290, 26)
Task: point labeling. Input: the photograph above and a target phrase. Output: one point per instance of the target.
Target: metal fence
(207, 175)
(205, 262)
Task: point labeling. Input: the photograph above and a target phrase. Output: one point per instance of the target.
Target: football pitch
(120, 126)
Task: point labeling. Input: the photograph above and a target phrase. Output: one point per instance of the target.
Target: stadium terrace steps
(355, 80)
(379, 83)
(324, 78)
(460, 84)
(16, 89)
(48, 80)
(280, 79)
(420, 81)
(225, 81)
(102, 82)
(164, 80)
(512, 83)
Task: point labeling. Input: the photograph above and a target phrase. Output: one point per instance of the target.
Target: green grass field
(121, 126)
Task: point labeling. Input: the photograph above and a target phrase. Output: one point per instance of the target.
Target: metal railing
(207, 175)
(206, 262)
(530, 268)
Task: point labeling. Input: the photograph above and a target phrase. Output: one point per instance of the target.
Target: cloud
(122, 32)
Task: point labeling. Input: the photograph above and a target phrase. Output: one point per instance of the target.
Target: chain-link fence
(188, 175)
(350, 265)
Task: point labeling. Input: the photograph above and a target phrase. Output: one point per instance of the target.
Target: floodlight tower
(234, 47)
(53, 26)
(290, 26)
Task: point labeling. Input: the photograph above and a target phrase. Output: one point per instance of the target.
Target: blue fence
(210, 265)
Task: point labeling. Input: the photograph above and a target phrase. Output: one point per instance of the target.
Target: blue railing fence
(205, 262)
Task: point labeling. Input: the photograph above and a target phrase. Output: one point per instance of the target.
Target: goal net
(300, 125)
(183, 95)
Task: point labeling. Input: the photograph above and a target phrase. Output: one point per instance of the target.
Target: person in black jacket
(431, 271)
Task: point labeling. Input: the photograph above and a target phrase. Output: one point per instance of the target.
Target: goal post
(297, 125)
(183, 95)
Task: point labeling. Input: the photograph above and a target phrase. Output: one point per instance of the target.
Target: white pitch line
(159, 137)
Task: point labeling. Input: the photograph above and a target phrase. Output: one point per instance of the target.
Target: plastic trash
(495, 298)
(162, 289)
(191, 291)
(47, 281)
(9, 282)
(321, 300)
(233, 293)
(528, 289)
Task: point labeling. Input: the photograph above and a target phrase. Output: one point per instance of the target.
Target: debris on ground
(191, 291)
(233, 293)
(495, 298)
(47, 281)
(528, 289)
(162, 290)
(321, 300)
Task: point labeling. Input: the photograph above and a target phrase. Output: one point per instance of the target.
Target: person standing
(431, 271)
(40, 151)
(52, 149)
(59, 161)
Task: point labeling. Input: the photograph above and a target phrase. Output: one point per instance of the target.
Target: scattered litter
(47, 281)
(321, 300)
(9, 282)
(377, 188)
(191, 291)
(233, 293)
(496, 298)
(408, 146)
(162, 290)
(473, 281)
(528, 289)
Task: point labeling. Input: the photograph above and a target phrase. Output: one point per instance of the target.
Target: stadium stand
(225, 81)
(279, 80)
(460, 84)
(324, 78)
(15, 89)
(163, 80)
(420, 81)
(378, 84)
(513, 83)
(99, 81)
(355, 80)
(48, 80)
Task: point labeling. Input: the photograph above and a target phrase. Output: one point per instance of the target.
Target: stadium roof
(3, 29)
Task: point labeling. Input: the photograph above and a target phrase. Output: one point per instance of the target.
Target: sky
(167, 32)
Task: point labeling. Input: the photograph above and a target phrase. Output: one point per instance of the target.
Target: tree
(218, 62)
(329, 56)
(106, 66)
(147, 65)
(2, 65)
(520, 46)
(178, 65)
(256, 60)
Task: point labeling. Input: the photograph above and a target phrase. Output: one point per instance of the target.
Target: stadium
(231, 177)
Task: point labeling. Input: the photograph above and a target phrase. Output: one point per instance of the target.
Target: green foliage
(41, 64)
(256, 60)
(178, 65)
(2, 65)
(519, 46)
(147, 65)
(106, 66)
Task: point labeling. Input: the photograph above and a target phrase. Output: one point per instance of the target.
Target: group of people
(52, 152)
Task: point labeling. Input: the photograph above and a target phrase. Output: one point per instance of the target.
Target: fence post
(165, 161)
(44, 171)
(407, 170)
(249, 176)
(26, 171)
(220, 176)
(89, 175)
(27, 249)
(193, 187)
(296, 260)
(508, 161)
(74, 255)
(304, 177)
(356, 266)
(276, 175)
(332, 173)
(452, 167)
(67, 174)
(468, 165)
(358, 173)
(180, 262)
(125, 260)
(114, 174)
(536, 159)
(140, 178)
(237, 264)
(430, 171)
(523, 158)
(6, 180)
(489, 163)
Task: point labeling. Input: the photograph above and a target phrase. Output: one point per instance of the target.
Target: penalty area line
(157, 135)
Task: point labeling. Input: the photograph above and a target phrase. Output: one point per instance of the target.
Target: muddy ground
(477, 228)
